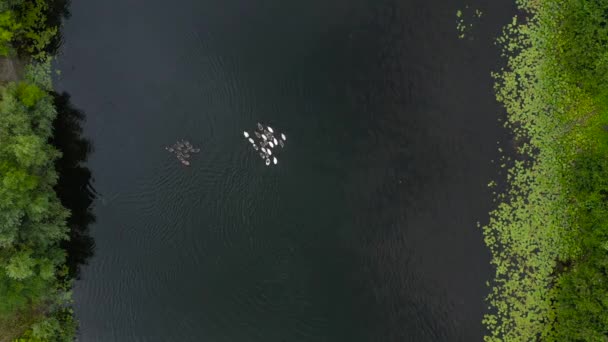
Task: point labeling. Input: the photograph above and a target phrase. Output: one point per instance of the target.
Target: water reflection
(58, 11)
(74, 186)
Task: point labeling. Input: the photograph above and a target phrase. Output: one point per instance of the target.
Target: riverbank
(35, 282)
(549, 234)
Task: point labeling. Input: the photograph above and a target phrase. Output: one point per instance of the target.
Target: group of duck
(182, 150)
(266, 142)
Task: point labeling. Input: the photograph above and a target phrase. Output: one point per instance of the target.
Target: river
(366, 228)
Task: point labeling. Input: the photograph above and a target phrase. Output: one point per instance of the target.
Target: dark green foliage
(8, 28)
(580, 42)
(582, 292)
(28, 26)
(35, 34)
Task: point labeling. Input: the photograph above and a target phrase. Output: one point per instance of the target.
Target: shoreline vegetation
(35, 280)
(549, 234)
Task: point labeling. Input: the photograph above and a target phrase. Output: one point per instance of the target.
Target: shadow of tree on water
(57, 11)
(74, 185)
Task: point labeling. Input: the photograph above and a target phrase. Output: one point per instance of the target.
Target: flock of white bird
(266, 142)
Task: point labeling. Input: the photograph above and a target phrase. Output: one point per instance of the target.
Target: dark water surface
(365, 231)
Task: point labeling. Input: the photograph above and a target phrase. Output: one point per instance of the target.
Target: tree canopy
(32, 219)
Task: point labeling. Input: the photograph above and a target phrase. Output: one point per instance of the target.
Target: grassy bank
(549, 233)
(34, 281)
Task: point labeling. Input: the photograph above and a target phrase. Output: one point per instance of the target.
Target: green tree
(36, 34)
(8, 27)
(20, 265)
(32, 220)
